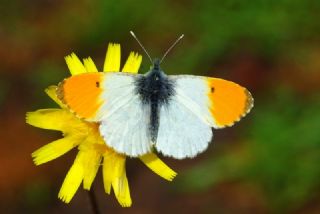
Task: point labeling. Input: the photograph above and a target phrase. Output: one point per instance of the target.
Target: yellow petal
(53, 119)
(74, 64)
(113, 56)
(51, 92)
(113, 167)
(72, 181)
(56, 119)
(157, 166)
(106, 184)
(91, 165)
(55, 149)
(114, 173)
(121, 190)
(89, 65)
(133, 63)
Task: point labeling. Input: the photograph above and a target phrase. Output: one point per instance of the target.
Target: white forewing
(124, 119)
(192, 93)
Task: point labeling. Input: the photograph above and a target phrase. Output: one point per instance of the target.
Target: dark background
(267, 163)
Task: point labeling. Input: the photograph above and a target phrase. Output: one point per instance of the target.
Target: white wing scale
(181, 133)
(185, 122)
(124, 119)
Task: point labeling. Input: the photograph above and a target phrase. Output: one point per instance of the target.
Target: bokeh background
(267, 163)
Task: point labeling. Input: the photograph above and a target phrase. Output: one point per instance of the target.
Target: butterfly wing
(181, 133)
(82, 94)
(198, 104)
(219, 102)
(111, 100)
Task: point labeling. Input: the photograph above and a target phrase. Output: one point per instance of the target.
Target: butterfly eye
(97, 84)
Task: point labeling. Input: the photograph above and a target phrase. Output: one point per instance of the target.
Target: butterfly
(173, 114)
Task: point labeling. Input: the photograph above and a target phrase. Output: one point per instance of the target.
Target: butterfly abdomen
(155, 90)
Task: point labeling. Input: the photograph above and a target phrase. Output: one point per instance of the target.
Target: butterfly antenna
(136, 38)
(172, 46)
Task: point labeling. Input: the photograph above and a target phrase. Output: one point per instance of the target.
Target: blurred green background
(267, 163)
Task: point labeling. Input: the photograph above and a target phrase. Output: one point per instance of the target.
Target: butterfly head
(156, 70)
(156, 64)
(155, 73)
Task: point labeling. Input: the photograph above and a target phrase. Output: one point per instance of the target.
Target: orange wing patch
(228, 101)
(81, 93)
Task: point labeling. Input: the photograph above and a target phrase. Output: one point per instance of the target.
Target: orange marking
(228, 101)
(81, 93)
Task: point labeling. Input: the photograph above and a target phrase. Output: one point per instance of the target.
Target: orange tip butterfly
(173, 114)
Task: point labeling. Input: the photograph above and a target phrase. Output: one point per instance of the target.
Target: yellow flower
(93, 151)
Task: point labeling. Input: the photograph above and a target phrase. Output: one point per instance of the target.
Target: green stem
(93, 201)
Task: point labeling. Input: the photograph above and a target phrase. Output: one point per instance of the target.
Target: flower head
(93, 152)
